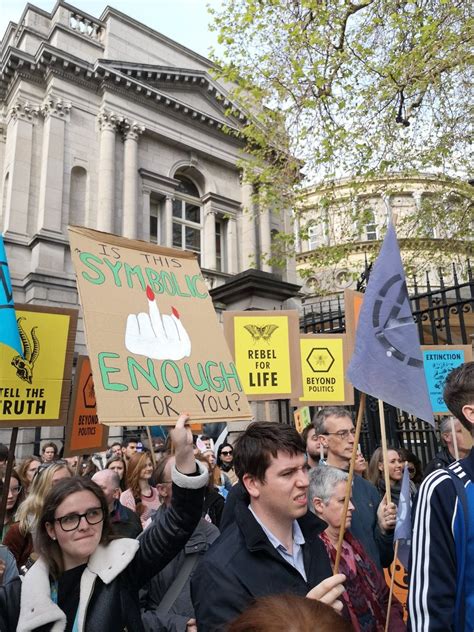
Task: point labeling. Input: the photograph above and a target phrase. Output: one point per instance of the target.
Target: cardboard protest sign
(84, 433)
(154, 342)
(438, 362)
(34, 389)
(265, 348)
(352, 305)
(302, 418)
(324, 359)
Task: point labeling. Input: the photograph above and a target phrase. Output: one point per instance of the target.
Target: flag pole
(383, 437)
(455, 440)
(392, 581)
(152, 447)
(342, 528)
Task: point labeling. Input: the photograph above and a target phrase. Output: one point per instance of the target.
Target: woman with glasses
(14, 499)
(19, 539)
(225, 460)
(27, 470)
(86, 581)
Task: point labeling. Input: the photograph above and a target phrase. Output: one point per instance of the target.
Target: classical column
(209, 238)
(108, 122)
(265, 233)
(168, 221)
(17, 167)
(231, 243)
(130, 178)
(249, 233)
(56, 115)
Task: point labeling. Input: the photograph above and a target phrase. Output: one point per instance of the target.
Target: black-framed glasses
(226, 453)
(342, 434)
(94, 515)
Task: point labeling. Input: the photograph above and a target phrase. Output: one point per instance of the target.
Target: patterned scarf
(362, 596)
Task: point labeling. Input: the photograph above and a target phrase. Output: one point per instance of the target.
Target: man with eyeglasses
(373, 521)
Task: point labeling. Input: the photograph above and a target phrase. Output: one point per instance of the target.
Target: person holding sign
(366, 595)
(372, 521)
(86, 581)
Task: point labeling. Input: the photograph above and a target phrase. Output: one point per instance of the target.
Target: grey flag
(387, 362)
(403, 527)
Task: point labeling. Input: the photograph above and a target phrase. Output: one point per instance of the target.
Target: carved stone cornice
(55, 106)
(24, 111)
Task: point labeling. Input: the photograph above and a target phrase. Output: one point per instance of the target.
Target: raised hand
(182, 443)
(156, 336)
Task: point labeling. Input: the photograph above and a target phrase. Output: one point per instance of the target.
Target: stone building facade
(108, 124)
(326, 214)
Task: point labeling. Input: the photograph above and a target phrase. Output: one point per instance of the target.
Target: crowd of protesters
(241, 536)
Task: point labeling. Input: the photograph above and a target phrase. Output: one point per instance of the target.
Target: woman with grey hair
(366, 595)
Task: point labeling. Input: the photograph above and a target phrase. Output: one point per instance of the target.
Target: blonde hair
(30, 510)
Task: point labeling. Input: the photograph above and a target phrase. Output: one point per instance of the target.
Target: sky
(185, 21)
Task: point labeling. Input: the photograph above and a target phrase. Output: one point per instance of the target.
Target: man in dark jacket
(373, 521)
(447, 454)
(272, 547)
(166, 600)
(125, 522)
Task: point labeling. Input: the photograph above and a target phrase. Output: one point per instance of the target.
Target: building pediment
(189, 93)
(192, 88)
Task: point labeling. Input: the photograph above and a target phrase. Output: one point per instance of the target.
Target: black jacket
(114, 605)
(242, 565)
(182, 609)
(442, 459)
(125, 522)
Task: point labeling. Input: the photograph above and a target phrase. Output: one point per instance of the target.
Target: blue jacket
(434, 582)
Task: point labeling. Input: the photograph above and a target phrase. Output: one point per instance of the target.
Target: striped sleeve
(432, 584)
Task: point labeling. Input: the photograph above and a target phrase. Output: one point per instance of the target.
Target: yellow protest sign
(34, 389)
(323, 366)
(264, 345)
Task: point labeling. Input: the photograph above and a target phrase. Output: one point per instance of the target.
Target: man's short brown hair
(261, 441)
(459, 392)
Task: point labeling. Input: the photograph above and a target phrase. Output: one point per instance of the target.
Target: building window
(155, 217)
(220, 246)
(187, 216)
(370, 226)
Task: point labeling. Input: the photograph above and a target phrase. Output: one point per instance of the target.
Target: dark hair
(406, 455)
(3, 452)
(306, 431)
(319, 420)
(219, 450)
(113, 459)
(10, 513)
(50, 444)
(128, 440)
(459, 392)
(289, 612)
(49, 548)
(261, 441)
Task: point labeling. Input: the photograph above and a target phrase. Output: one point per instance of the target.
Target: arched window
(78, 196)
(187, 216)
